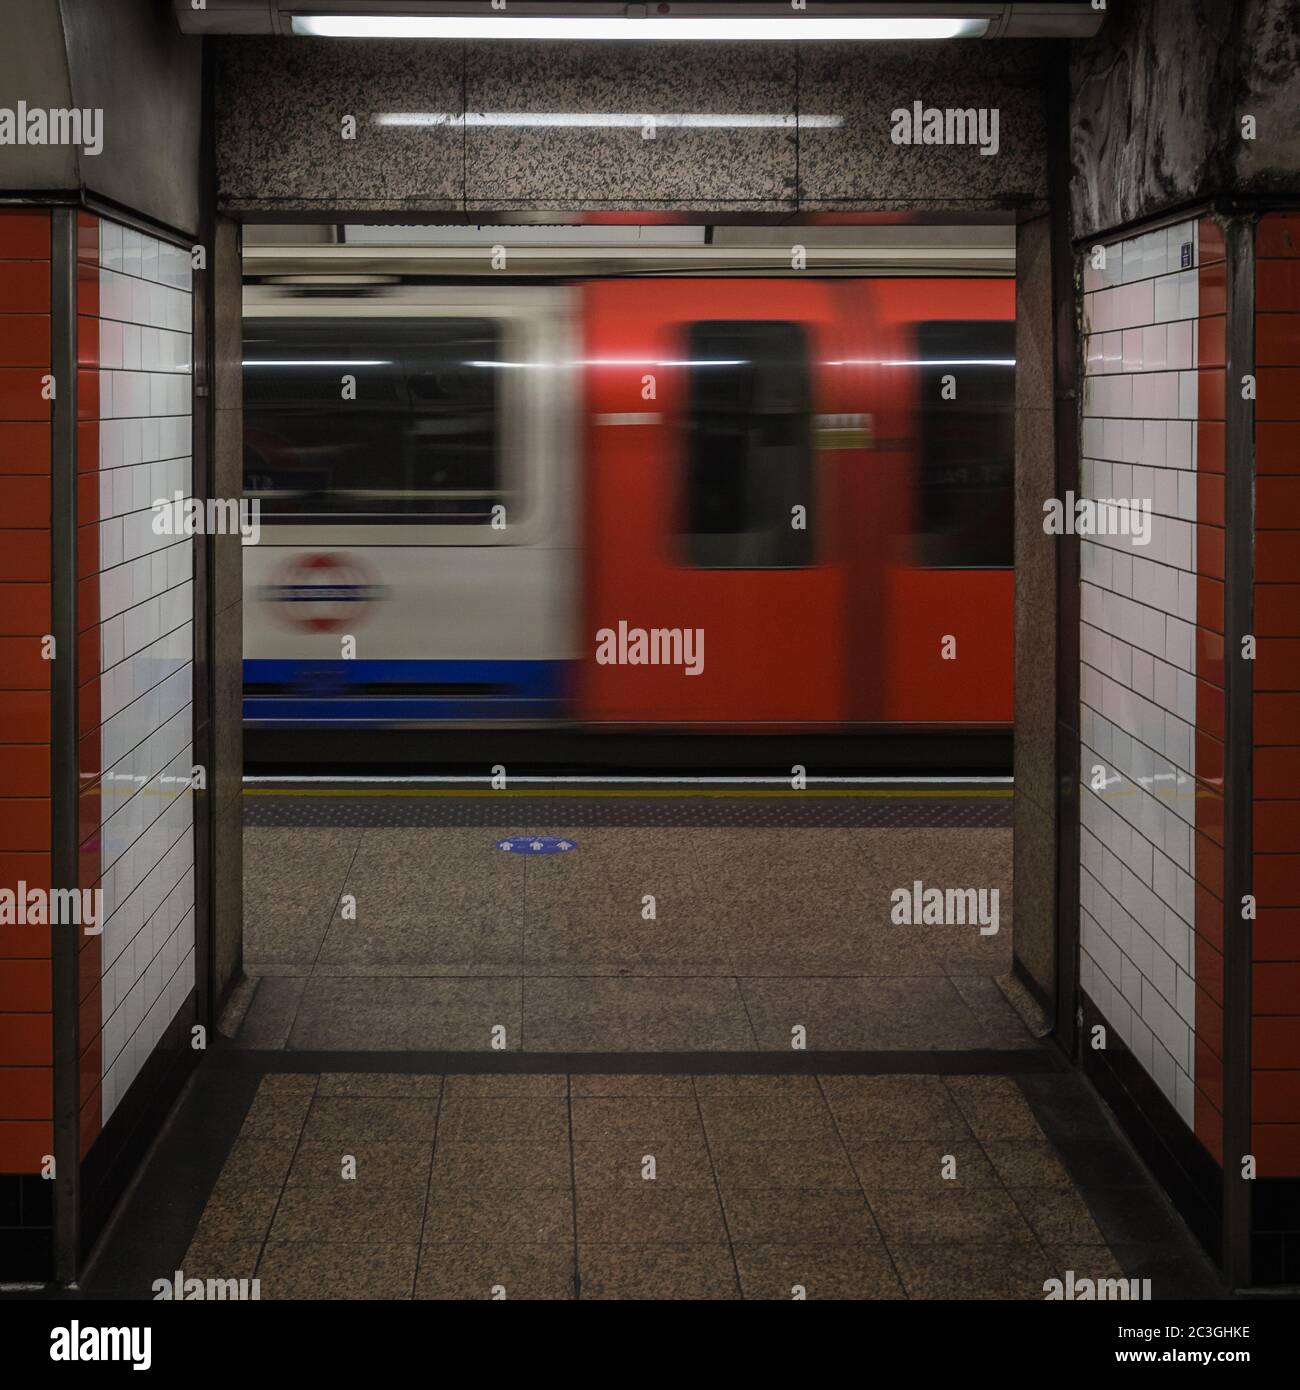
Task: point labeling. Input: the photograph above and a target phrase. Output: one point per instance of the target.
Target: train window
(415, 440)
(748, 444)
(965, 475)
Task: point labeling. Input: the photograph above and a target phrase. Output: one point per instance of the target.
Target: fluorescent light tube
(841, 28)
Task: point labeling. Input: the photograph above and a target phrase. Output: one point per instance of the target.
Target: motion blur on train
(724, 502)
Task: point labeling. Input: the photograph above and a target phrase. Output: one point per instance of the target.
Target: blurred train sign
(536, 844)
(323, 591)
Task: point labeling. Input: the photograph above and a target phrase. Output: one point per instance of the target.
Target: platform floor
(642, 1126)
(474, 1186)
(764, 923)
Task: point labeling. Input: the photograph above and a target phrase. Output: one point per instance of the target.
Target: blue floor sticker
(536, 844)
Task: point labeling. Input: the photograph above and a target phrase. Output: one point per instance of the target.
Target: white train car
(412, 450)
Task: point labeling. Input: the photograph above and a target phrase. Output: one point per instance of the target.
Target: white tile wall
(1137, 651)
(146, 649)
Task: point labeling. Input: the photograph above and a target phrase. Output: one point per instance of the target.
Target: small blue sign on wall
(536, 844)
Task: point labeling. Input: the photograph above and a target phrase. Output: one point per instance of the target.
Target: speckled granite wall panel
(517, 157)
(280, 108)
(556, 127)
(856, 165)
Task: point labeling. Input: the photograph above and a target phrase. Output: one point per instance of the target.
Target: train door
(945, 400)
(714, 592)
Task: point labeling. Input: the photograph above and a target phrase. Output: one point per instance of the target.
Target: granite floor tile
(994, 1107)
(623, 1163)
(1010, 1270)
(488, 1166)
(369, 1163)
(380, 1084)
(1058, 1216)
(822, 1166)
(395, 1014)
(313, 1270)
(487, 1087)
(634, 1120)
(529, 1215)
(894, 1107)
(362, 1119)
(654, 1272)
(807, 1271)
(501, 1119)
(254, 1165)
(234, 1217)
(221, 1259)
(862, 1014)
(651, 1213)
(1027, 1163)
(731, 1086)
(767, 1120)
(273, 1116)
(269, 1019)
(786, 1216)
(920, 1165)
(293, 877)
(631, 1085)
(635, 1015)
(388, 1211)
(1087, 1261)
(492, 1272)
(963, 1216)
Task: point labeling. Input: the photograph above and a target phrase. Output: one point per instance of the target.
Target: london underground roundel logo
(323, 591)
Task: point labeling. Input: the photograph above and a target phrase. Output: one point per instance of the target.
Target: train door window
(966, 453)
(748, 445)
(414, 438)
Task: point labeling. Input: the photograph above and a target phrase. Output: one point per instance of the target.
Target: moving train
(725, 504)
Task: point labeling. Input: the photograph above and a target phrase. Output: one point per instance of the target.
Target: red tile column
(1275, 1075)
(26, 1023)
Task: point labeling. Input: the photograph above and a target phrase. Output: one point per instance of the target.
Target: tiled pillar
(1148, 697)
(1211, 726)
(26, 1021)
(135, 700)
(95, 769)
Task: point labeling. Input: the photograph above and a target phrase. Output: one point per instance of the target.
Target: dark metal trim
(1238, 791)
(1068, 349)
(204, 464)
(64, 942)
(100, 207)
(1189, 210)
(1020, 1061)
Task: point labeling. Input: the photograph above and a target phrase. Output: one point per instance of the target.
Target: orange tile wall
(26, 1021)
(1275, 1030)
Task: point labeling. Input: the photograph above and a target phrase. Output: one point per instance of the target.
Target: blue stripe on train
(326, 692)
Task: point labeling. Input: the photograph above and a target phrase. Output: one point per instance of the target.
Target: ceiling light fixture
(712, 28)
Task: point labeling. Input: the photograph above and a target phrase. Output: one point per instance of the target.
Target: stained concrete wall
(1157, 101)
(128, 59)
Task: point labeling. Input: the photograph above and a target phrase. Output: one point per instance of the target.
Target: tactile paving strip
(543, 812)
